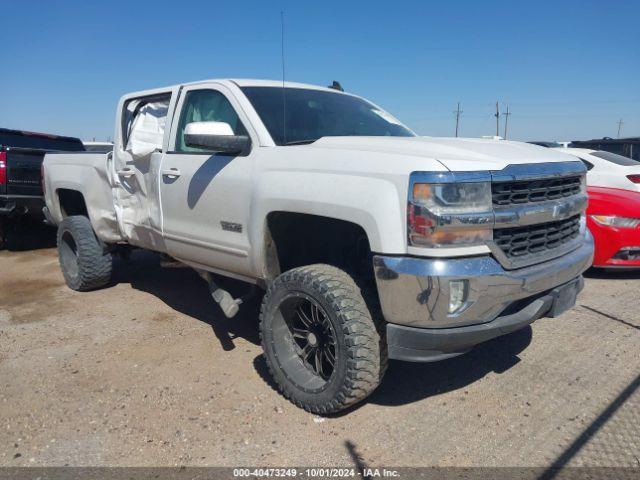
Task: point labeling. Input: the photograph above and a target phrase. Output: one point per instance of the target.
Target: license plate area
(564, 297)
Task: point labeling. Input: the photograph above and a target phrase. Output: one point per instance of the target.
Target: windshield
(312, 114)
(615, 158)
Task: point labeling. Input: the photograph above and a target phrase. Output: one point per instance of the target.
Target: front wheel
(320, 342)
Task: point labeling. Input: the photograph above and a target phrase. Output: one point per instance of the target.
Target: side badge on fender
(231, 226)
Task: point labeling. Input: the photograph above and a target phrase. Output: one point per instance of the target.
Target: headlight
(621, 222)
(453, 197)
(447, 213)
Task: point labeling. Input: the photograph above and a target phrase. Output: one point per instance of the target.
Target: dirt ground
(148, 372)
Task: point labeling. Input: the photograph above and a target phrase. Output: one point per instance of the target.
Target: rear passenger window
(615, 158)
(206, 106)
(144, 124)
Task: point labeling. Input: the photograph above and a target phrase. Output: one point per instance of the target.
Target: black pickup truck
(21, 156)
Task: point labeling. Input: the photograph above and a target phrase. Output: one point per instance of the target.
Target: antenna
(336, 86)
(457, 113)
(284, 95)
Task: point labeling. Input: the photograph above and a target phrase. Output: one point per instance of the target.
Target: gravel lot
(148, 372)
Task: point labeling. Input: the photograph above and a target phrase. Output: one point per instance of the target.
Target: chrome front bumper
(415, 291)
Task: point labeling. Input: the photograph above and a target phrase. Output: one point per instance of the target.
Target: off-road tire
(83, 260)
(360, 354)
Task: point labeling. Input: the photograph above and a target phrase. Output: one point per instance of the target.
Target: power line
(506, 121)
(497, 115)
(457, 113)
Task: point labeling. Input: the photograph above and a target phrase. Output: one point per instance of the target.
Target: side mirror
(217, 137)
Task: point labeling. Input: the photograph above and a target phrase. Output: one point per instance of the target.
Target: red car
(613, 217)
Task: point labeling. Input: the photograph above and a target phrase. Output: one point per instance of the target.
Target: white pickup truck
(371, 242)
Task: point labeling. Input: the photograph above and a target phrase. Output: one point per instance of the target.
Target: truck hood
(456, 154)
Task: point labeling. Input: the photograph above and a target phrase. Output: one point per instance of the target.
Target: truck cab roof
(238, 82)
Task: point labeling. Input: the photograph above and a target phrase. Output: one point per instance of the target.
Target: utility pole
(497, 115)
(457, 114)
(506, 121)
(620, 123)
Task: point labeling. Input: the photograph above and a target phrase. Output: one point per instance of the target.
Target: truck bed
(23, 171)
(22, 154)
(87, 173)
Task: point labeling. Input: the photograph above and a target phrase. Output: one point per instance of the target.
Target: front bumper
(434, 344)
(414, 293)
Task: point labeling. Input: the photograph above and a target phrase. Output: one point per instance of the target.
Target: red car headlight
(620, 222)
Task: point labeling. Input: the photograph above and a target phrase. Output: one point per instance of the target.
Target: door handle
(127, 172)
(172, 173)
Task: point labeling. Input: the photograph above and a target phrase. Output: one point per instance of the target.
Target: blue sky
(567, 69)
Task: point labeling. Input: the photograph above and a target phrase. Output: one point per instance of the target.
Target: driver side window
(206, 106)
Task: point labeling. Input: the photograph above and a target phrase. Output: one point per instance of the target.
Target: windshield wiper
(300, 142)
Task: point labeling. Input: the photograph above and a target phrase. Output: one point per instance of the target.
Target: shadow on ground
(24, 234)
(183, 290)
(556, 468)
(613, 274)
(407, 382)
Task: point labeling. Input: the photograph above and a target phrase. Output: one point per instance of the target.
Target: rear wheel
(84, 262)
(319, 340)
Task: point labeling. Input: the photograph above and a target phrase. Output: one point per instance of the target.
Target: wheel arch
(71, 202)
(295, 239)
(372, 205)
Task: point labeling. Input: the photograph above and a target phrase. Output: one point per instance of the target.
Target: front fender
(376, 204)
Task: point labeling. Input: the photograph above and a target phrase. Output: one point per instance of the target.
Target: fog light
(628, 253)
(457, 295)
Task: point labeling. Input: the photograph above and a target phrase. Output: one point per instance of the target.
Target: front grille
(528, 191)
(521, 242)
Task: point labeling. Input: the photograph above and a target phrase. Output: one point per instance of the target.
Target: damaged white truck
(371, 242)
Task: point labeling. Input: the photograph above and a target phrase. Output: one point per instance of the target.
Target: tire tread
(366, 350)
(94, 263)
